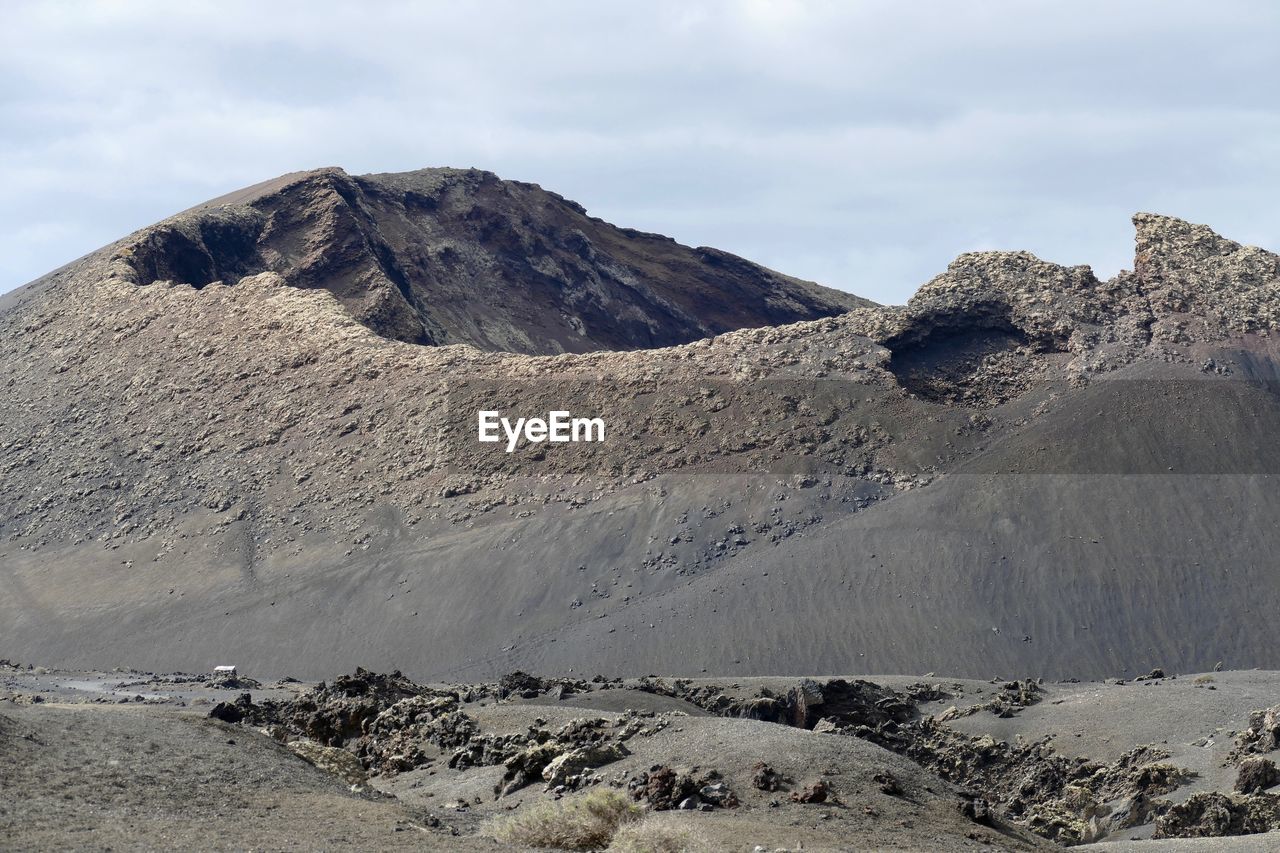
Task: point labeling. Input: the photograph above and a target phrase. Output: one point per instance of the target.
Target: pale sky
(859, 144)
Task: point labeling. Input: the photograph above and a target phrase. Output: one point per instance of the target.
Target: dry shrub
(659, 835)
(577, 823)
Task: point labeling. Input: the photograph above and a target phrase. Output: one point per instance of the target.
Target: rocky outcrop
(1256, 774)
(525, 686)
(373, 724)
(997, 322)
(663, 788)
(331, 759)
(1068, 800)
(818, 792)
(1220, 285)
(452, 256)
(386, 723)
(765, 778)
(1210, 814)
(844, 703)
(1262, 735)
(565, 768)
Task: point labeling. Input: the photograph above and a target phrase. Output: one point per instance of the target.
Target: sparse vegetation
(655, 834)
(588, 822)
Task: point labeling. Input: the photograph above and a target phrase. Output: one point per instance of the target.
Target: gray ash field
(247, 435)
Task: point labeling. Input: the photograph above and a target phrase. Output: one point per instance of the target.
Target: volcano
(248, 433)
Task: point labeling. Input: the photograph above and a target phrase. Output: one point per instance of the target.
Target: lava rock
(1256, 774)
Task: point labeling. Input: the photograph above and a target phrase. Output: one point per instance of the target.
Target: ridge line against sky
(859, 144)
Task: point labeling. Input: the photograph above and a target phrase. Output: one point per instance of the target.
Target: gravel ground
(106, 777)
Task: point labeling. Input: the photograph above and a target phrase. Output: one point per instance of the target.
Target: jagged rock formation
(370, 725)
(451, 256)
(247, 472)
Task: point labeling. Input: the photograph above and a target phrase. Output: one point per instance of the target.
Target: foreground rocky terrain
(214, 449)
(129, 759)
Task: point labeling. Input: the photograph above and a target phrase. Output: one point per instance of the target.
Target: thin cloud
(858, 144)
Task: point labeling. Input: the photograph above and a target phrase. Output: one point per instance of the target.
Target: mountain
(1023, 471)
(452, 256)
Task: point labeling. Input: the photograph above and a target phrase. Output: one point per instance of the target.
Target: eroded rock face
(1210, 814)
(562, 769)
(451, 256)
(844, 703)
(1256, 774)
(331, 759)
(385, 722)
(1262, 734)
(1184, 268)
(995, 323)
(988, 327)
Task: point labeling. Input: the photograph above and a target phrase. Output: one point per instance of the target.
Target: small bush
(656, 835)
(579, 823)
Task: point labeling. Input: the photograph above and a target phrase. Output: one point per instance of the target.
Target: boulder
(815, 793)
(525, 767)
(1256, 774)
(662, 788)
(718, 794)
(564, 767)
(331, 759)
(1263, 734)
(765, 778)
(240, 709)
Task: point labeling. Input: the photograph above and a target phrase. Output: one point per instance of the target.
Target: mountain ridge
(441, 256)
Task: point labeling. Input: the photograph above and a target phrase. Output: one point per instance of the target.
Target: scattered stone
(976, 809)
(663, 788)
(765, 778)
(718, 795)
(888, 784)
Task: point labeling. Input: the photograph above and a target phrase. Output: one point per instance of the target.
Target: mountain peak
(1185, 268)
(460, 256)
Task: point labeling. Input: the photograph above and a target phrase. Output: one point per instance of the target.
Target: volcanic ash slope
(1023, 471)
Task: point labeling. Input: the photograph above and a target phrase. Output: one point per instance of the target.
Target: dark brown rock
(815, 793)
(765, 778)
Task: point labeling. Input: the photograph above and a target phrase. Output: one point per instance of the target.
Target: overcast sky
(860, 144)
